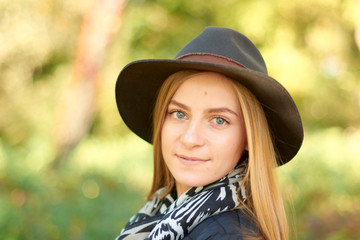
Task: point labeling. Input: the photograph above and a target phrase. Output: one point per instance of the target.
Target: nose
(193, 135)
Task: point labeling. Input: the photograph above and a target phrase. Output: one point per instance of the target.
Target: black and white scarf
(171, 218)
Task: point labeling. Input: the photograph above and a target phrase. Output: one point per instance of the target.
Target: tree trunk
(77, 107)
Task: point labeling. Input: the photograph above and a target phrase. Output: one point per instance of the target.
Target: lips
(187, 160)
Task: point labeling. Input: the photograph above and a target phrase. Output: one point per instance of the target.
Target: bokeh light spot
(90, 189)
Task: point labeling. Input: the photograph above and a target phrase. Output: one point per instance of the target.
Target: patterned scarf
(171, 218)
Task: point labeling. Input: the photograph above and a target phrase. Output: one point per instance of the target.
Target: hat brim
(139, 82)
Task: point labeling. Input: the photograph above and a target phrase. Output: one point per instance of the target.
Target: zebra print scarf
(171, 218)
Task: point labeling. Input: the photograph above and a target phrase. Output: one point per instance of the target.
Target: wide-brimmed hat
(219, 50)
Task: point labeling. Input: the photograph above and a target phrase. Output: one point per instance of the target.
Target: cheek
(231, 147)
(236, 151)
(164, 138)
(167, 138)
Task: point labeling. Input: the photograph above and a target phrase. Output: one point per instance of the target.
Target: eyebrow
(210, 110)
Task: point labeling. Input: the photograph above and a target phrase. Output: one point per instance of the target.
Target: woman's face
(203, 136)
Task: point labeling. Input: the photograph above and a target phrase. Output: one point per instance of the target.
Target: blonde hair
(264, 202)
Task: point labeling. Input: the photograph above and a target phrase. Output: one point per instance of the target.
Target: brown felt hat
(219, 50)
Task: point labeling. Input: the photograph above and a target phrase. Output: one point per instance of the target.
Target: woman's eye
(220, 121)
(178, 114)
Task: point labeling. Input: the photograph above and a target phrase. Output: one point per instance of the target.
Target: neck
(181, 188)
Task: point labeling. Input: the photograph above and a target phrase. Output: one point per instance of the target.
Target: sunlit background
(69, 167)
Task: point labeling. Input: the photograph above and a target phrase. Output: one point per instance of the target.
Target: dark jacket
(229, 225)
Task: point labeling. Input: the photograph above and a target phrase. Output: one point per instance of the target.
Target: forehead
(208, 87)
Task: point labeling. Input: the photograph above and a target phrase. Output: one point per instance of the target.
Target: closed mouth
(191, 159)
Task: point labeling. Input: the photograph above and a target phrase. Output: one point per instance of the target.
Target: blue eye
(220, 121)
(179, 114)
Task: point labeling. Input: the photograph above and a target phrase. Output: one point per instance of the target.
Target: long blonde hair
(264, 202)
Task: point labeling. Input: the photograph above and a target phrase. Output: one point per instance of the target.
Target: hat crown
(227, 43)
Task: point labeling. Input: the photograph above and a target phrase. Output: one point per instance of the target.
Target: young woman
(219, 126)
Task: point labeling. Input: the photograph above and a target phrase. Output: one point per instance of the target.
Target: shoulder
(227, 225)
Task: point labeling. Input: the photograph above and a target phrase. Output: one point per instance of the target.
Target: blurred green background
(69, 167)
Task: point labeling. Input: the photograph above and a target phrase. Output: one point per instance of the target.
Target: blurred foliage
(309, 46)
